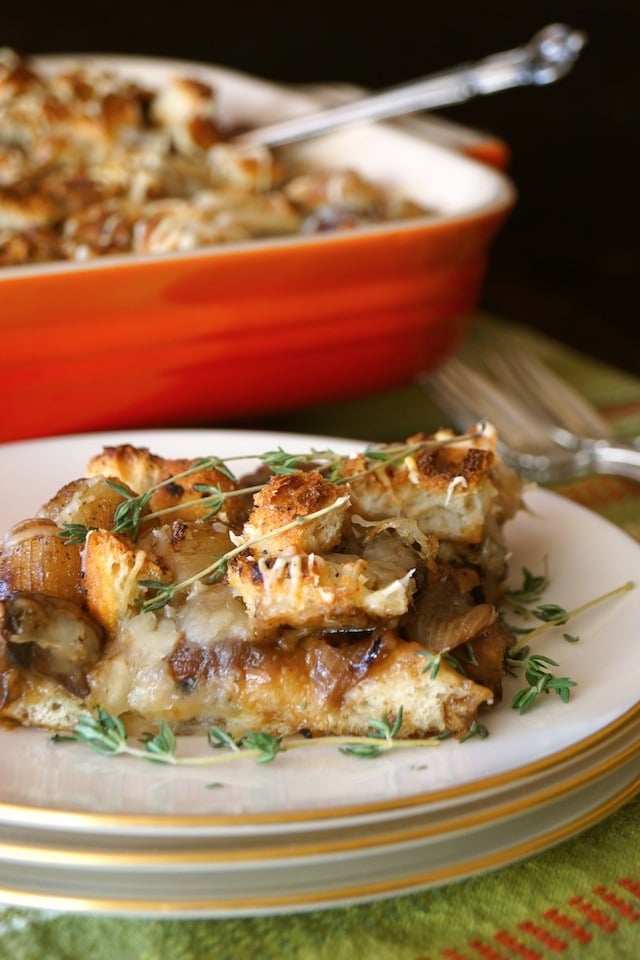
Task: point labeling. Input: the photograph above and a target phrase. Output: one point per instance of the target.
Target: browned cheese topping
(93, 164)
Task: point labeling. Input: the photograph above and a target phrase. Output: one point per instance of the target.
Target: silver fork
(570, 418)
(544, 439)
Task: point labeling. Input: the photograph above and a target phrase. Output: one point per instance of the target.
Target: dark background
(567, 261)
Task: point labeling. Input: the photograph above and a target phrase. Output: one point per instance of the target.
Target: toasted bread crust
(142, 470)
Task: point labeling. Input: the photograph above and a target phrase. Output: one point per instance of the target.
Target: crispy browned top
(84, 146)
(292, 495)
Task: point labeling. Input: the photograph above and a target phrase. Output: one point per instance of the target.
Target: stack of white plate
(317, 828)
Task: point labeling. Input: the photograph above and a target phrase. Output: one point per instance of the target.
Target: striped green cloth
(580, 900)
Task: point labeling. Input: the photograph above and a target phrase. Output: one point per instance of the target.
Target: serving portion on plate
(317, 825)
(317, 592)
(369, 306)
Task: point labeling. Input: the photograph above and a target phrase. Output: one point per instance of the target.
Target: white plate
(290, 886)
(54, 786)
(232, 849)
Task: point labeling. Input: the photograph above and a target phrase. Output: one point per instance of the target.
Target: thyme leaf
(103, 732)
(162, 593)
(217, 737)
(214, 499)
(551, 613)
(74, 532)
(162, 745)
(533, 587)
(434, 662)
(384, 734)
(281, 462)
(468, 654)
(266, 746)
(540, 680)
(475, 730)
(127, 515)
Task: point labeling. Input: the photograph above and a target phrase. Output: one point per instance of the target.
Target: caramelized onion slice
(35, 558)
(445, 635)
(406, 529)
(445, 617)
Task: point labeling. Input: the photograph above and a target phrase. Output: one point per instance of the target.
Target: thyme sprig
(525, 602)
(540, 680)
(475, 730)
(107, 735)
(553, 615)
(280, 461)
(532, 589)
(130, 514)
(75, 532)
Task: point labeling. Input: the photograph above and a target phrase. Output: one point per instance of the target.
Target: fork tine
(541, 389)
(466, 396)
(526, 442)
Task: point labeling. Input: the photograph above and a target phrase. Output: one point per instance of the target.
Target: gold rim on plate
(327, 898)
(370, 836)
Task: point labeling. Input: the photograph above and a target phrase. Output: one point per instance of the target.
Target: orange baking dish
(230, 331)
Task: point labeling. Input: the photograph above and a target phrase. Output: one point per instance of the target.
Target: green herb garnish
(540, 680)
(535, 666)
(384, 735)
(475, 730)
(107, 735)
(435, 660)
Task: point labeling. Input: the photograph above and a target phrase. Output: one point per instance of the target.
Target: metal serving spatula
(547, 57)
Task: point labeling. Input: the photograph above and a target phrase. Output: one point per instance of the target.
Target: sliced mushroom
(50, 636)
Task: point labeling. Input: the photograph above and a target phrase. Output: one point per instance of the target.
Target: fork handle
(616, 458)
